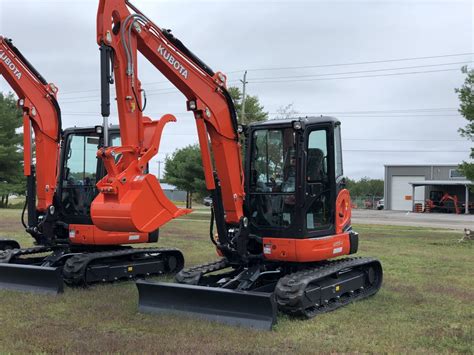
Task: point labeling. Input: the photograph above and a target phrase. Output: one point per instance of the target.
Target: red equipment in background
(442, 202)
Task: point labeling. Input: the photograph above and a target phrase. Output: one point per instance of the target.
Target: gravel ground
(399, 218)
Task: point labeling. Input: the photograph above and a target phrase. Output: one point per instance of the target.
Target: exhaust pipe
(241, 308)
(28, 278)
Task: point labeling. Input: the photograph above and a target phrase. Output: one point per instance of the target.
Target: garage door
(401, 192)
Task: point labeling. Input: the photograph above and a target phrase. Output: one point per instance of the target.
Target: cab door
(319, 181)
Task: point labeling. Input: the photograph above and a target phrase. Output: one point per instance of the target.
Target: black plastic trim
(354, 242)
(153, 236)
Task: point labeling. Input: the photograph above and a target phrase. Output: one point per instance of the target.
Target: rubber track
(290, 290)
(7, 255)
(75, 268)
(191, 276)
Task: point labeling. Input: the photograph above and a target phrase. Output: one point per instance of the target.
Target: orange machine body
(315, 249)
(91, 235)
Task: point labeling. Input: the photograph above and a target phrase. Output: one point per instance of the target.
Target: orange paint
(306, 250)
(91, 235)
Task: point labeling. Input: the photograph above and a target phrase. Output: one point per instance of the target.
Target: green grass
(425, 305)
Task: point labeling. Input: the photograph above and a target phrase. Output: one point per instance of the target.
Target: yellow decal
(338, 288)
(130, 269)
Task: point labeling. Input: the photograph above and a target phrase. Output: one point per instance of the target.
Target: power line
(405, 151)
(306, 67)
(359, 72)
(354, 77)
(358, 63)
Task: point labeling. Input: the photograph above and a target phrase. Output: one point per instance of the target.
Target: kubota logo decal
(10, 64)
(177, 65)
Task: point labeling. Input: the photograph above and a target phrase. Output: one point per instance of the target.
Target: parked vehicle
(207, 201)
(380, 204)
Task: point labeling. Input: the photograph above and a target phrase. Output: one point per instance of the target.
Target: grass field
(426, 304)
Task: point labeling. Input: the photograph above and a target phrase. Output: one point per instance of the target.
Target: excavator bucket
(29, 278)
(143, 208)
(242, 308)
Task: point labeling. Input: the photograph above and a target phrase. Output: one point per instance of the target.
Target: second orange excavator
(62, 170)
(280, 217)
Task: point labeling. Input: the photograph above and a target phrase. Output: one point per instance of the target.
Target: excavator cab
(295, 194)
(293, 177)
(80, 171)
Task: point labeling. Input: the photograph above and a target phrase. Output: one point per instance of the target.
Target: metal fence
(365, 202)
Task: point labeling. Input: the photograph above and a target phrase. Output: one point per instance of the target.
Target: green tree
(466, 109)
(254, 110)
(183, 169)
(365, 187)
(11, 157)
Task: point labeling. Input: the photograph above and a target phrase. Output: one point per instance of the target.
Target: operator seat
(315, 170)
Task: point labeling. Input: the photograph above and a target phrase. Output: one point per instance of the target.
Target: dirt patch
(446, 290)
(409, 291)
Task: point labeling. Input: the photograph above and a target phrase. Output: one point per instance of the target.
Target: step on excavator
(280, 218)
(61, 169)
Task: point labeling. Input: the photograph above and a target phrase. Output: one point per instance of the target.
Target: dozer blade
(242, 308)
(38, 279)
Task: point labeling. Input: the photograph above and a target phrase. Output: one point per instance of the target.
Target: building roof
(441, 182)
(421, 165)
(166, 186)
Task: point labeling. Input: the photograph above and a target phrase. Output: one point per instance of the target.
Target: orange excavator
(62, 169)
(280, 216)
(440, 201)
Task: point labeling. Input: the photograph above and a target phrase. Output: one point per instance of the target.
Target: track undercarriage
(258, 291)
(45, 269)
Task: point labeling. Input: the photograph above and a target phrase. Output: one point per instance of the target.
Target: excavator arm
(122, 32)
(41, 112)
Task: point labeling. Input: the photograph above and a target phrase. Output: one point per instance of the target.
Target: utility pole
(159, 169)
(244, 84)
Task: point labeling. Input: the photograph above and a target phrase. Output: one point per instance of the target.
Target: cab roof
(305, 120)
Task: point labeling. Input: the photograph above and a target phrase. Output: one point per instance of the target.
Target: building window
(456, 174)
